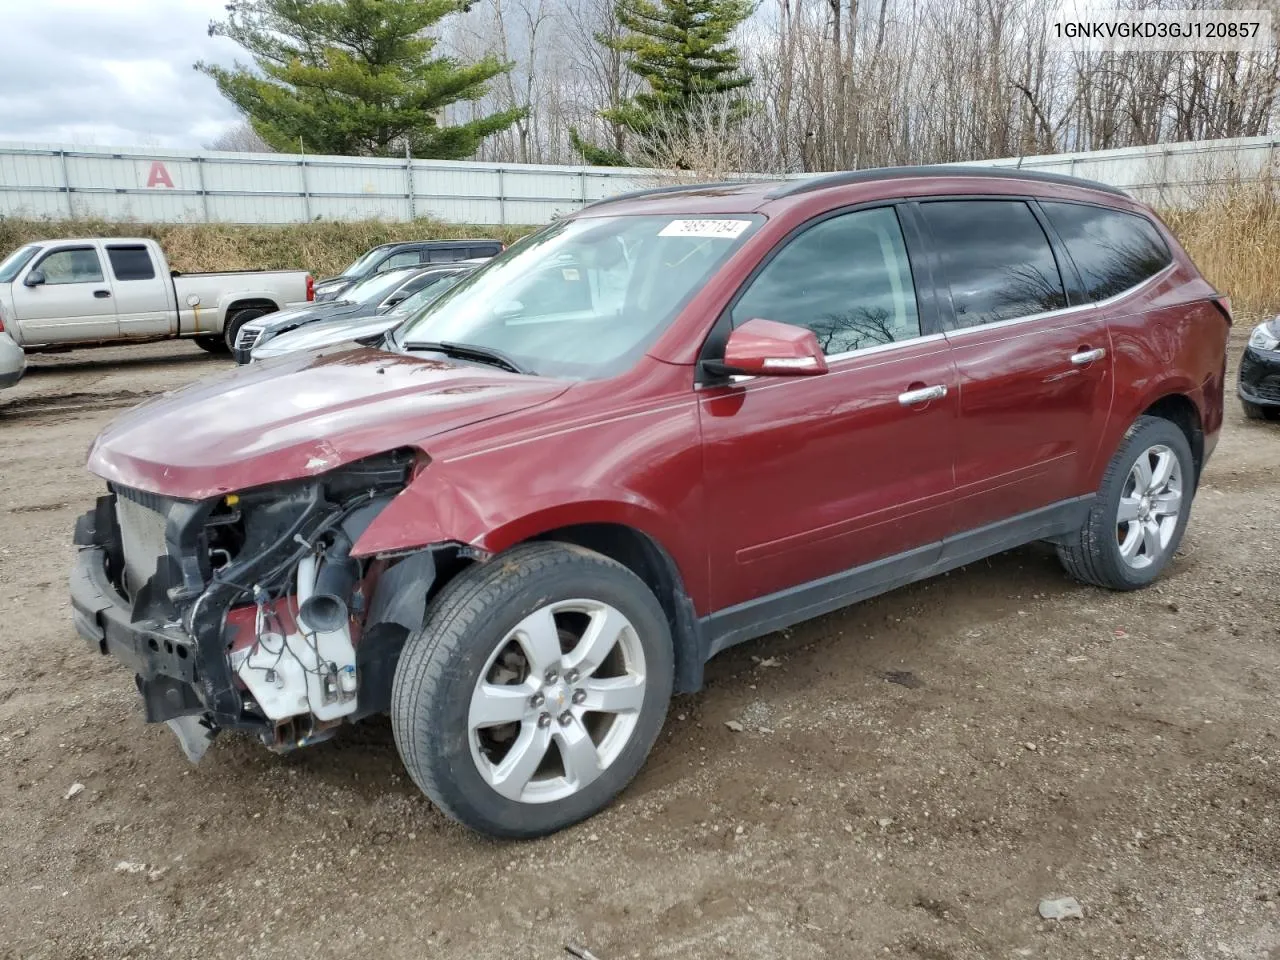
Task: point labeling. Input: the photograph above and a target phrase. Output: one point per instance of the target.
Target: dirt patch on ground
(913, 776)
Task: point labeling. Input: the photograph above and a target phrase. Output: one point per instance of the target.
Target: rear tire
(534, 691)
(1254, 412)
(1132, 531)
(212, 343)
(238, 320)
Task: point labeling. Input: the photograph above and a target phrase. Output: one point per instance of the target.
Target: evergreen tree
(681, 49)
(353, 77)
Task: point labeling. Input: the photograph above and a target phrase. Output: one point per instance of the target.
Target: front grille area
(142, 517)
(1268, 388)
(247, 337)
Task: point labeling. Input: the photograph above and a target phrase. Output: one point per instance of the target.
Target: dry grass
(1232, 233)
(324, 248)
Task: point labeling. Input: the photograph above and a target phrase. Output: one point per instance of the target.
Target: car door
(811, 476)
(1034, 369)
(72, 301)
(143, 298)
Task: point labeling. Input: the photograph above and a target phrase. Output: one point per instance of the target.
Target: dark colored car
(1259, 385)
(392, 256)
(377, 294)
(669, 423)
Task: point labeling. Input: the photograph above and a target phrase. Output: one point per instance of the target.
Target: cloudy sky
(111, 72)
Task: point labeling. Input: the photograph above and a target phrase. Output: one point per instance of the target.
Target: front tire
(534, 691)
(1141, 511)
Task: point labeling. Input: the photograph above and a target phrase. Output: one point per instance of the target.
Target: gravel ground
(913, 775)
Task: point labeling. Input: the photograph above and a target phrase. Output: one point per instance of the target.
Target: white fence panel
(42, 180)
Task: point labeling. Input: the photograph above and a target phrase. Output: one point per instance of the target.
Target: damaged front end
(249, 611)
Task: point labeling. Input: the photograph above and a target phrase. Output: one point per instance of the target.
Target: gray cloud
(97, 72)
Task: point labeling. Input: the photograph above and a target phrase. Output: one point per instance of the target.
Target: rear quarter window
(1113, 250)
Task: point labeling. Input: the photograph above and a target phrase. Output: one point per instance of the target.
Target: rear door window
(446, 254)
(72, 265)
(996, 259)
(1113, 250)
(131, 263)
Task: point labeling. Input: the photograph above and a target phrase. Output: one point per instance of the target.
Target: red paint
(769, 347)
(158, 176)
(751, 487)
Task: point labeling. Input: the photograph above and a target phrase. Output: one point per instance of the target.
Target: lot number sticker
(716, 229)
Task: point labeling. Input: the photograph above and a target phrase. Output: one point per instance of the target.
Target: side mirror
(768, 348)
(34, 278)
(393, 300)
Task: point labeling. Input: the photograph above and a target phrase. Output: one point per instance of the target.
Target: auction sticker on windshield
(727, 229)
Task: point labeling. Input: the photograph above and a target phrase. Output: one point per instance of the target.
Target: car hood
(327, 333)
(326, 310)
(301, 415)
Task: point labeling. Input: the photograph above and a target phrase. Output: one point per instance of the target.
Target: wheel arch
(1180, 410)
(626, 530)
(250, 303)
(651, 562)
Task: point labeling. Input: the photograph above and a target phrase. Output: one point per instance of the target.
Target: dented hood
(301, 415)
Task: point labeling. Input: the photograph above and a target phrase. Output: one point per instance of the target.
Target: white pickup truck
(56, 294)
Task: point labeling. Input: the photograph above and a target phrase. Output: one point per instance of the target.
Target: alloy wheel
(557, 701)
(1150, 505)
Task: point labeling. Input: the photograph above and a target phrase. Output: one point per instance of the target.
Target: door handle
(923, 395)
(102, 294)
(1085, 357)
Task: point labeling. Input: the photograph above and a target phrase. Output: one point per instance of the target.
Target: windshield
(434, 287)
(16, 261)
(363, 262)
(376, 287)
(582, 298)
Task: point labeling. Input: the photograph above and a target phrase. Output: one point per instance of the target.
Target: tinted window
(77, 265)
(846, 279)
(996, 258)
(446, 254)
(1113, 250)
(131, 263)
(407, 258)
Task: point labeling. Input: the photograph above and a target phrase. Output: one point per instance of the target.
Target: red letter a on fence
(159, 176)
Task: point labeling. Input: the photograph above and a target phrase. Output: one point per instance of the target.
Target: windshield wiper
(468, 351)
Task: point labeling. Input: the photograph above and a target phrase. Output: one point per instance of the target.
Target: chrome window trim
(1065, 311)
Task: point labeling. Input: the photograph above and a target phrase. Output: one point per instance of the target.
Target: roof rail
(793, 187)
(659, 191)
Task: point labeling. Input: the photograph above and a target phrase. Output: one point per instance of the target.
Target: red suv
(678, 420)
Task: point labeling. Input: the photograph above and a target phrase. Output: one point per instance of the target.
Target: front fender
(434, 510)
(641, 469)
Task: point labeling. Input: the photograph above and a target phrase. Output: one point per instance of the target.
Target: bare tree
(241, 138)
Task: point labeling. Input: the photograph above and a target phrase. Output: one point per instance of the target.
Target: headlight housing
(1266, 336)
